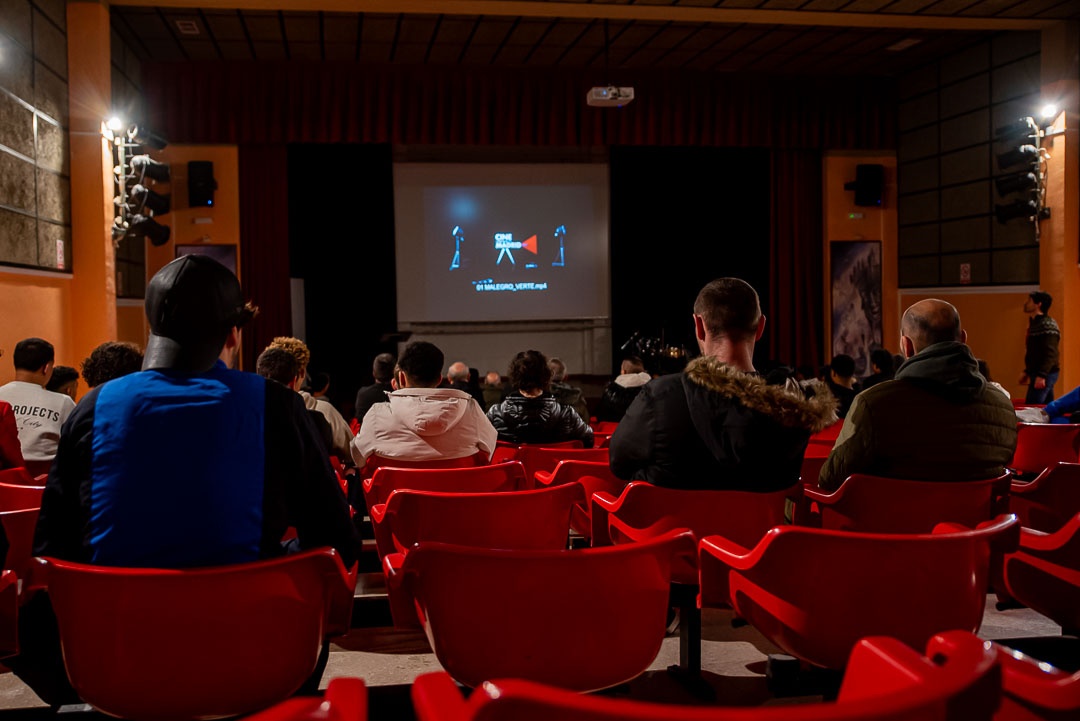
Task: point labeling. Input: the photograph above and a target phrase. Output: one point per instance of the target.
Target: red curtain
(795, 258)
(264, 244)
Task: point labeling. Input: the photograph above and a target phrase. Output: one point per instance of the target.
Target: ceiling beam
(599, 10)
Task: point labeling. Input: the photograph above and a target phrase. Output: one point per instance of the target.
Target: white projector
(609, 96)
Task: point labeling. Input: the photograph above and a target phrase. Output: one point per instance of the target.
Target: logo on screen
(505, 243)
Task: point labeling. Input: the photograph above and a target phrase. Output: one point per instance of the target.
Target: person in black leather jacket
(530, 414)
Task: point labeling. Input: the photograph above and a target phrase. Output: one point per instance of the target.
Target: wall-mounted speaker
(201, 184)
(869, 185)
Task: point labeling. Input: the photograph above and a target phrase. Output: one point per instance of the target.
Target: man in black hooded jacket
(718, 424)
(937, 420)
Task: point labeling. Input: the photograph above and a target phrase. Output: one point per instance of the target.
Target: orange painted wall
(875, 224)
(131, 322)
(35, 305)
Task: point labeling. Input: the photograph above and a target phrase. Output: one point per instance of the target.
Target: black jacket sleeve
(632, 445)
(301, 488)
(574, 427)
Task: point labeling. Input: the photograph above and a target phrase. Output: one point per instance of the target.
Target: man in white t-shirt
(38, 413)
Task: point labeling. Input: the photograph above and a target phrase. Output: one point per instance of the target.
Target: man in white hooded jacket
(422, 422)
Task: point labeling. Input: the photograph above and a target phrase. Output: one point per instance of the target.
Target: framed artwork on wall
(855, 294)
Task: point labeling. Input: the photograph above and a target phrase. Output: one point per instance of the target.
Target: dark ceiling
(648, 41)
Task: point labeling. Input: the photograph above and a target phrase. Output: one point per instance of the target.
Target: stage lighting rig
(136, 173)
(1025, 160)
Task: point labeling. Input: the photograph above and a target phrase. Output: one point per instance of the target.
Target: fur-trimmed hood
(787, 406)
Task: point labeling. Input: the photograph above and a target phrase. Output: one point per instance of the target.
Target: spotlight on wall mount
(143, 197)
(1015, 183)
(1017, 209)
(142, 135)
(1022, 154)
(146, 167)
(154, 231)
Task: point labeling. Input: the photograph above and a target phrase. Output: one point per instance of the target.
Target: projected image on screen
(506, 242)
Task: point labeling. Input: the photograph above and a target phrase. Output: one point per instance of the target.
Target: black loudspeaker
(869, 184)
(201, 184)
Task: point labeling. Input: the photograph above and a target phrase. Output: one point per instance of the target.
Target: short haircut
(382, 369)
(277, 364)
(1041, 299)
(843, 365)
(61, 376)
(931, 321)
(529, 371)
(111, 360)
(32, 353)
(297, 347)
(422, 363)
(883, 359)
(558, 369)
(319, 381)
(729, 307)
(632, 364)
(458, 371)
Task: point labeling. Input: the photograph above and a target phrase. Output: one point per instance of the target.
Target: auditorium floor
(733, 663)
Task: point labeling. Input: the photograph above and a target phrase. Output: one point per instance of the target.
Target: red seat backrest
(18, 477)
(1044, 573)
(1048, 502)
(1034, 691)
(1039, 445)
(545, 458)
(509, 476)
(19, 528)
(16, 496)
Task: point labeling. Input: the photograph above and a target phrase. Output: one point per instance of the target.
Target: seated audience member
(111, 360)
(984, 370)
(233, 460)
(531, 414)
(619, 393)
(938, 420)
(421, 421)
(718, 424)
(342, 434)
(280, 365)
(65, 380)
(382, 371)
(841, 382)
(39, 414)
(565, 393)
(493, 389)
(458, 376)
(881, 363)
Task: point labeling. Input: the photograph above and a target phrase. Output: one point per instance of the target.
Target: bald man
(459, 376)
(937, 420)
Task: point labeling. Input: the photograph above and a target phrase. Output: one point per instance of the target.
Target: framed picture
(224, 254)
(855, 288)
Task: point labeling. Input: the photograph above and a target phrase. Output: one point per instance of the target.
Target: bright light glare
(1049, 111)
(114, 123)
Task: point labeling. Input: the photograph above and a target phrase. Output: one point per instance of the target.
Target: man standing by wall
(1040, 350)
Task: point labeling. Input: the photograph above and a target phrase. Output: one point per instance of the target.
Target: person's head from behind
(728, 308)
(530, 372)
(33, 360)
(420, 365)
(111, 360)
(928, 323)
(457, 373)
(493, 378)
(631, 364)
(842, 369)
(65, 379)
(1038, 302)
(195, 308)
(881, 360)
(382, 368)
(297, 347)
(319, 383)
(558, 370)
(279, 365)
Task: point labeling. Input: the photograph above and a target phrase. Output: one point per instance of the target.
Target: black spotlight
(1016, 209)
(1013, 183)
(146, 167)
(1027, 154)
(145, 136)
(157, 233)
(1019, 128)
(143, 197)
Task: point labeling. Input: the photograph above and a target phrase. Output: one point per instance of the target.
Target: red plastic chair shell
(17, 496)
(815, 593)
(1044, 573)
(545, 458)
(582, 620)
(345, 699)
(174, 645)
(19, 528)
(887, 681)
(1048, 502)
(594, 477)
(1039, 445)
(18, 477)
(500, 477)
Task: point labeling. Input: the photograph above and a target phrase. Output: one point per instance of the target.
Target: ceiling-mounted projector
(609, 96)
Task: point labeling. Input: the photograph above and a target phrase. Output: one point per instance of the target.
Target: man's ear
(963, 336)
(760, 329)
(907, 346)
(699, 327)
(401, 380)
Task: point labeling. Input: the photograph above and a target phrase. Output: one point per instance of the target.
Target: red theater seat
(345, 699)
(18, 477)
(872, 504)
(1039, 445)
(1034, 691)
(1044, 573)
(605, 427)
(17, 496)
(526, 520)
(815, 593)
(582, 620)
(545, 458)
(509, 476)
(1048, 502)
(9, 614)
(594, 477)
(886, 681)
(178, 645)
(19, 529)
